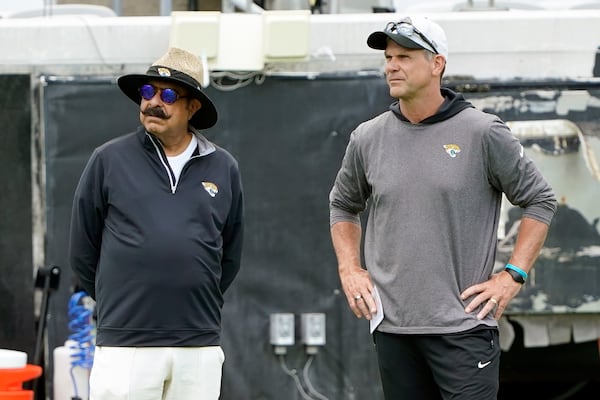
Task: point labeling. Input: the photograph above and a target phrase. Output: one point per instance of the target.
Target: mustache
(155, 112)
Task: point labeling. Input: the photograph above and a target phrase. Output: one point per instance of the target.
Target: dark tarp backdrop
(17, 330)
(289, 136)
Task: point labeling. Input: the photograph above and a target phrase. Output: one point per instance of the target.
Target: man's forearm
(346, 243)
(530, 240)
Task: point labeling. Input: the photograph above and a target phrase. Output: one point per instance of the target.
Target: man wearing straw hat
(156, 240)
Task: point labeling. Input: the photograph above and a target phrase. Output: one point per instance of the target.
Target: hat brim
(378, 41)
(204, 118)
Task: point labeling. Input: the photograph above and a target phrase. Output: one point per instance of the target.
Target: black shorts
(462, 366)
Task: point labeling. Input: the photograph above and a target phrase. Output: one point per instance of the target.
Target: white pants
(156, 373)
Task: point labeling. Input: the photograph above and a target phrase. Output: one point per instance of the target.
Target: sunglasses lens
(169, 96)
(147, 92)
(406, 29)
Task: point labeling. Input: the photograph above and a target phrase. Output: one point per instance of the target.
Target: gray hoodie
(433, 191)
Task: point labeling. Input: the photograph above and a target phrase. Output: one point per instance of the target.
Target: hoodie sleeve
(233, 233)
(350, 192)
(87, 223)
(515, 174)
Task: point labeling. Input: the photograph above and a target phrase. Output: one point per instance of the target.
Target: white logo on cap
(164, 72)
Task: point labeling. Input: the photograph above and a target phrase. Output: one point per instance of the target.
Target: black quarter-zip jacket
(157, 254)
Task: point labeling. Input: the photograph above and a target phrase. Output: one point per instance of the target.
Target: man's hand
(356, 281)
(358, 289)
(494, 294)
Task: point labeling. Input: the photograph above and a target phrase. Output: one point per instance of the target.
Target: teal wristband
(517, 270)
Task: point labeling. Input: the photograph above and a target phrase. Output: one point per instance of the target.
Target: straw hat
(177, 66)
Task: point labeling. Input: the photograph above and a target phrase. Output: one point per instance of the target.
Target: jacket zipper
(173, 182)
(166, 166)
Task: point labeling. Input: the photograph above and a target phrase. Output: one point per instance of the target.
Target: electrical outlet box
(282, 329)
(313, 329)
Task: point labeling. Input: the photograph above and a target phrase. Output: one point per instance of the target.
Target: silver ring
(493, 300)
(357, 297)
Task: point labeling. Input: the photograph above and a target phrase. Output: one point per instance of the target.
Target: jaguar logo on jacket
(211, 188)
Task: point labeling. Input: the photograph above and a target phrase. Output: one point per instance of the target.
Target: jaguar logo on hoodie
(452, 149)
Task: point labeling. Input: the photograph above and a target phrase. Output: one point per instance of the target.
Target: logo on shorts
(211, 188)
(452, 149)
(481, 365)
